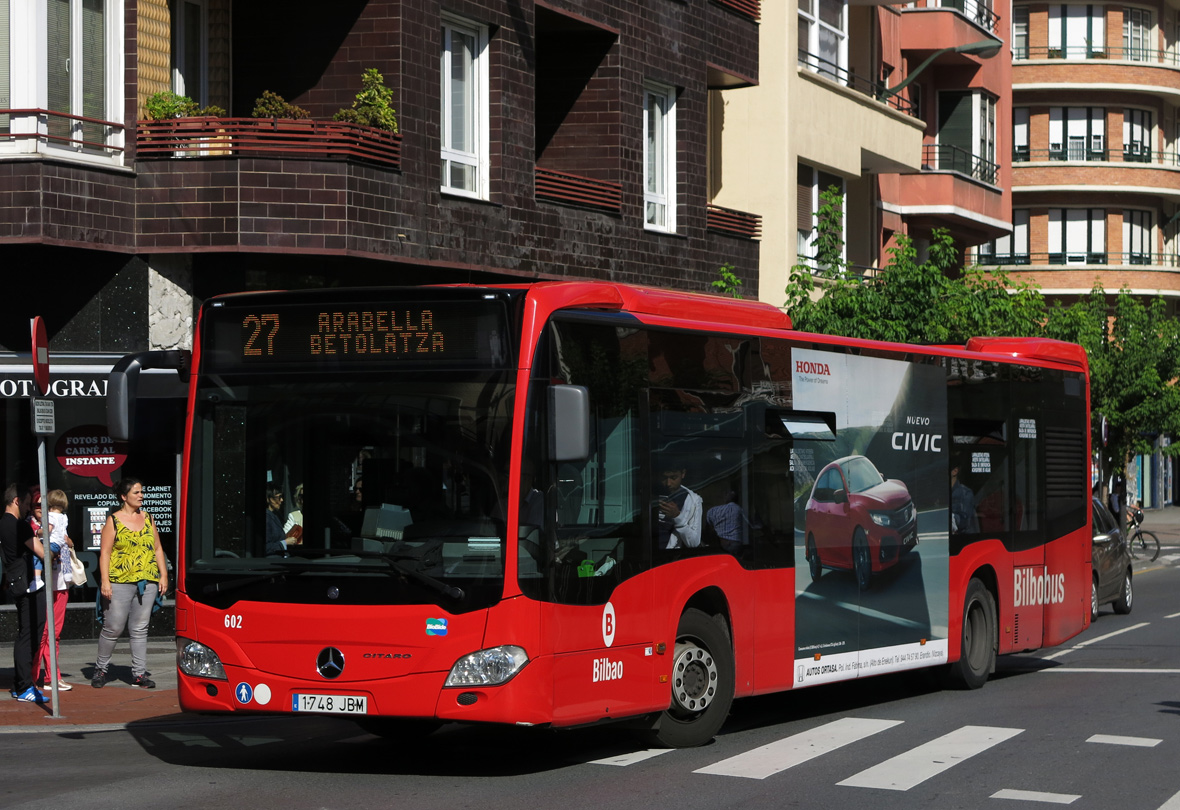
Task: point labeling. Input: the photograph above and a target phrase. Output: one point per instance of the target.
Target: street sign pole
(44, 425)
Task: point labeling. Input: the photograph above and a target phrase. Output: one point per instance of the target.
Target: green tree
(1134, 352)
(908, 301)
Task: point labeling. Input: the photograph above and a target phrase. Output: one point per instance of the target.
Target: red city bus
(563, 503)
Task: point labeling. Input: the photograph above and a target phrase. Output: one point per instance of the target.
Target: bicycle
(1142, 542)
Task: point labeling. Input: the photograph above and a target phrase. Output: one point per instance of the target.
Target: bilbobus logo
(1031, 588)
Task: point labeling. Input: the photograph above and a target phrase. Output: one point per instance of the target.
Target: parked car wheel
(1126, 597)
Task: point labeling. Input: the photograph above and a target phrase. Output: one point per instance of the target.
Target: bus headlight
(198, 660)
(489, 667)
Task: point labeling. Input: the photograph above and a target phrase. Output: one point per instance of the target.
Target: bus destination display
(413, 332)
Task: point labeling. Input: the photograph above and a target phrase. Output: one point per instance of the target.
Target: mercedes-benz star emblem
(330, 662)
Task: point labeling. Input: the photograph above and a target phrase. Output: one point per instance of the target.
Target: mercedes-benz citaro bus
(562, 503)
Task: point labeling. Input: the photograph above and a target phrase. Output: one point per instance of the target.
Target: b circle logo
(608, 624)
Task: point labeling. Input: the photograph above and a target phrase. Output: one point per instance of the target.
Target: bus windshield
(388, 488)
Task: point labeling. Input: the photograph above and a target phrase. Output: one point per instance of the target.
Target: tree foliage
(1133, 346)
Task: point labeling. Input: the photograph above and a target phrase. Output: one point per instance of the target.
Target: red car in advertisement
(856, 520)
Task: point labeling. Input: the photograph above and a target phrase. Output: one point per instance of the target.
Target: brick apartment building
(1096, 182)
(536, 140)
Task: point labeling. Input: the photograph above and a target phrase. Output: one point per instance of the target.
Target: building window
(75, 51)
(1020, 32)
(1076, 32)
(967, 134)
(1010, 249)
(1137, 136)
(1077, 133)
(1077, 236)
(464, 108)
(190, 50)
(1137, 34)
(1020, 147)
(1137, 236)
(659, 157)
(809, 184)
(823, 37)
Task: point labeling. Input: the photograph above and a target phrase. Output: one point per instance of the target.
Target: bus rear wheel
(977, 652)
(702, 682)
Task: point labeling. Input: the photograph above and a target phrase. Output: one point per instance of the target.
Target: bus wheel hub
(694, 677)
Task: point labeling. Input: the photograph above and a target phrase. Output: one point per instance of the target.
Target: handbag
(78, 570)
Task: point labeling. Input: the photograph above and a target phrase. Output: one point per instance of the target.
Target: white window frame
(808, 232)
(29, 87)
(1020, 32)
(1012, 247)
(659, 158)
(1076, 133)
(1020, 129)
(1076, 233)
(1139, 132)
(1138, 227)
(1138, 25)
(1077, 31)
(475, 157)
(183, 85)
(812, 25)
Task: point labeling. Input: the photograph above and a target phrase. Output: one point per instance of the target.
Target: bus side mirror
(569, 423)
(123, 383)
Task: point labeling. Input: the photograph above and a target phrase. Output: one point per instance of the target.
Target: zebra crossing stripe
(1036, 796)
(623, 760)
(788, 752)
(1111, 739)
(915, 766)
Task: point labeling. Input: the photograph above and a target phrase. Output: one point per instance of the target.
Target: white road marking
(1111, 739)
(623, 760)
(1088, 642)
(915, 766)
(1036, 796)
(1172, 803)
(1172, 615)
(788, 752)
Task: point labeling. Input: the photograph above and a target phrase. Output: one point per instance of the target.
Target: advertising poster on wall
(871, 551)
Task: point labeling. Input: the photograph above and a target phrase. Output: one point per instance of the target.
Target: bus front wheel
(702, 682)
(977, 653)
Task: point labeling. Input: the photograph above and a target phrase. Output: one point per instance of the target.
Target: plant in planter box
(272, 105)
(165, 105)
(372, 104)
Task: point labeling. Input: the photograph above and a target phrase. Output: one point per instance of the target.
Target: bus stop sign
(40, 356)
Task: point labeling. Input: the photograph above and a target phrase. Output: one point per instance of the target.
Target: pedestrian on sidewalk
(18, 545)
(132, 574)
(62, 547)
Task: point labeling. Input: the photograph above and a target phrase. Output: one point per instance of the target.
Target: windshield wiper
(393, 561)
(242, 582)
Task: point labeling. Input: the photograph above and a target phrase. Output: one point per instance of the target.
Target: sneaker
(100, 679)
(31, 695)
(62, 686)
(143, 682)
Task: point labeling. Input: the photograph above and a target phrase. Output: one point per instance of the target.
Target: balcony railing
(266, 137)
(734, 223)
(63, 129)
(1168, 260)
(946, 157)
(1120, 53)
(750, 8)
(573, 189)
(979, 13)
(877, 90)
(1079, 153)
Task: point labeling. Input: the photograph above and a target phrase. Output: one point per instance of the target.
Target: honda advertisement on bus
(872, 517)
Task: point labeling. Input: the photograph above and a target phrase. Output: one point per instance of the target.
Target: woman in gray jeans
(133, 570)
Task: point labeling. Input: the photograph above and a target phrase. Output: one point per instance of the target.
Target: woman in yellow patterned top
(132, 570)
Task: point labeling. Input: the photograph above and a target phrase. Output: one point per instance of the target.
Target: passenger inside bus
(677, 509)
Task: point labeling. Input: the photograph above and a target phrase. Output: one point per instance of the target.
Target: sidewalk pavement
(86, 708)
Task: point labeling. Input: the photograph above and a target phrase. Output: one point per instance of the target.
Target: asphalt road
(1094, 723)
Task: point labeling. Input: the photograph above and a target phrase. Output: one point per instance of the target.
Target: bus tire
(977, 653)
(702, 682)
(1126, 598)
(813, 561)
(862, 562)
